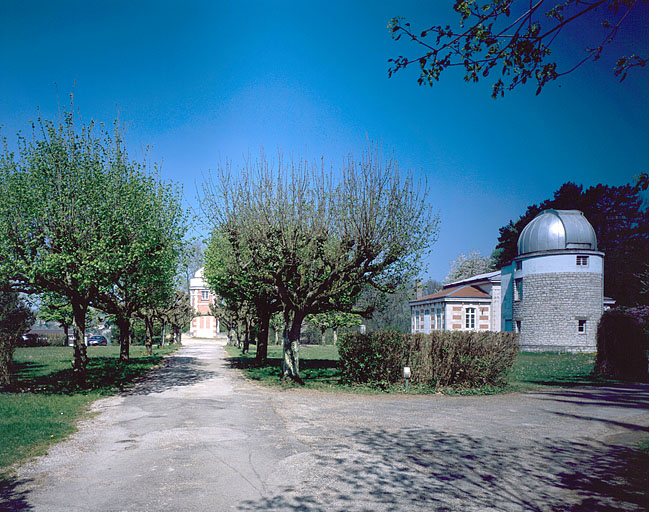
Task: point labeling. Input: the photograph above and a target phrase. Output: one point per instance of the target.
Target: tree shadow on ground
(424, 469)
(320, 370)
(11, 497)
(173, 372)
(631, 396)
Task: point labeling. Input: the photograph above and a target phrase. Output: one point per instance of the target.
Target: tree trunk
(124, 325)
(148, 339)
(7, 344)
(246, 337)
(323, 330)
(80, 362)
(276, 335)
(291, 349)
(262, 336)
(335, 336)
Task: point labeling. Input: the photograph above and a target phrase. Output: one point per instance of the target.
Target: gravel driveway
(197, 437)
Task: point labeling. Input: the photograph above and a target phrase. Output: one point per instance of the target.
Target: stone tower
(553, 290)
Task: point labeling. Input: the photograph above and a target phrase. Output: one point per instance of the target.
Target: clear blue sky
(206, 81)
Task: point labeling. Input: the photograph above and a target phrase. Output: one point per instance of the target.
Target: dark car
(97, 340)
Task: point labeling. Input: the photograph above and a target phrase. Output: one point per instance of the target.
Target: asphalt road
(197, 437)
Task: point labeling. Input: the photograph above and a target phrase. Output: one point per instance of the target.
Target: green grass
(319, 370)
(43, 406)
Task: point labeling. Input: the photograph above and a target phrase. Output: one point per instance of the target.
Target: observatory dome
(553, 230)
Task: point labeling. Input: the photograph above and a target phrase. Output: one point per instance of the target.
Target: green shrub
(621, 347)
(376, 359)
(458, 359)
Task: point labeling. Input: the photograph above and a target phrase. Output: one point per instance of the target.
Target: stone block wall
(551, 307)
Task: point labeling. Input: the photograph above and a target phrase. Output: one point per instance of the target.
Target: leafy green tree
(466, 266)
(15, 319)
(515, 38)
(150, 248)
(319, 238)
(66, 202)
(56, 309)
(621, 224)
(333, 320)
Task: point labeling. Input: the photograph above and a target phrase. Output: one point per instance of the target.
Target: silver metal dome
(553, 230)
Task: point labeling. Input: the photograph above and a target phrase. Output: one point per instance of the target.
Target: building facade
(204, 325)
(551, 293)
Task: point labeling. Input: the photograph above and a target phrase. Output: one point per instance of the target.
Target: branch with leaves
(516, 35)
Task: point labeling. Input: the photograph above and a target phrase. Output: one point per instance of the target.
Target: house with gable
(204, 325)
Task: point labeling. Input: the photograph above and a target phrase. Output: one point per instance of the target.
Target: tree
(66, 204)
(516, 38)
(333, 320)
(318, 238)
(230, 273)
(56, 309)
(15, 319)
(178, 314)
(150, 247)
(621, 225)
(464, 267)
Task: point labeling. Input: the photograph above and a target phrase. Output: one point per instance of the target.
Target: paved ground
(197, 437)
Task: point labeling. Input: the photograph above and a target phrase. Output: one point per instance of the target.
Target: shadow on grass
(311, 370)
(11, 496)
(363, 469)
(106, 375)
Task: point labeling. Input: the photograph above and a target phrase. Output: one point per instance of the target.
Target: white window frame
(469, 318)
(582, 261)
(581, 325)
(205, 294)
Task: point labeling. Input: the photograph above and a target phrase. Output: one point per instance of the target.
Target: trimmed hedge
(460, 359)
(622, 345)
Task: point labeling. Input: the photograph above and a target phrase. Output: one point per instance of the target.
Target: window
(204, 294)
(518, 289)
(582, 261)
(421, 319)
(469, 318)
(581, 326)
(518, 326)
(519, 265)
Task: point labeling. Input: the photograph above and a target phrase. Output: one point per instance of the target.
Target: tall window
(204, 294)
(518, 289)
(519, 265)
(469, 318)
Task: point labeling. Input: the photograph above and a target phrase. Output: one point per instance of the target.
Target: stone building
(551, 292)
(204, 325)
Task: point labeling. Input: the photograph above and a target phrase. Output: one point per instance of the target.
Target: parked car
(97, 339)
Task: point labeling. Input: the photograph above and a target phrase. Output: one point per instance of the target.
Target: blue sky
(202, 82)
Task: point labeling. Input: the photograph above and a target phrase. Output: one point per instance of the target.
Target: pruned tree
(466, 266)
(232, 275)
(178, 314)
(515, 38)
(318, 238)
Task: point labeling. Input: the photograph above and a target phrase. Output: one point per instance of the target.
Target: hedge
(622, 345)
(460, 359)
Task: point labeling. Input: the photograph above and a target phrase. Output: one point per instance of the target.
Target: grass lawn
(319, 370)
(42, 406)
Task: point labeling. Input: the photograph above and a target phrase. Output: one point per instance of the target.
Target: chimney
(419, 291)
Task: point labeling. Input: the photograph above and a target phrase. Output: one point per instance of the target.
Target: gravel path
(197, 437)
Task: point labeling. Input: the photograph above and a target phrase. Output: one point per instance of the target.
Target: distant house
(551, 293)
(205, 325)
(466, 305)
